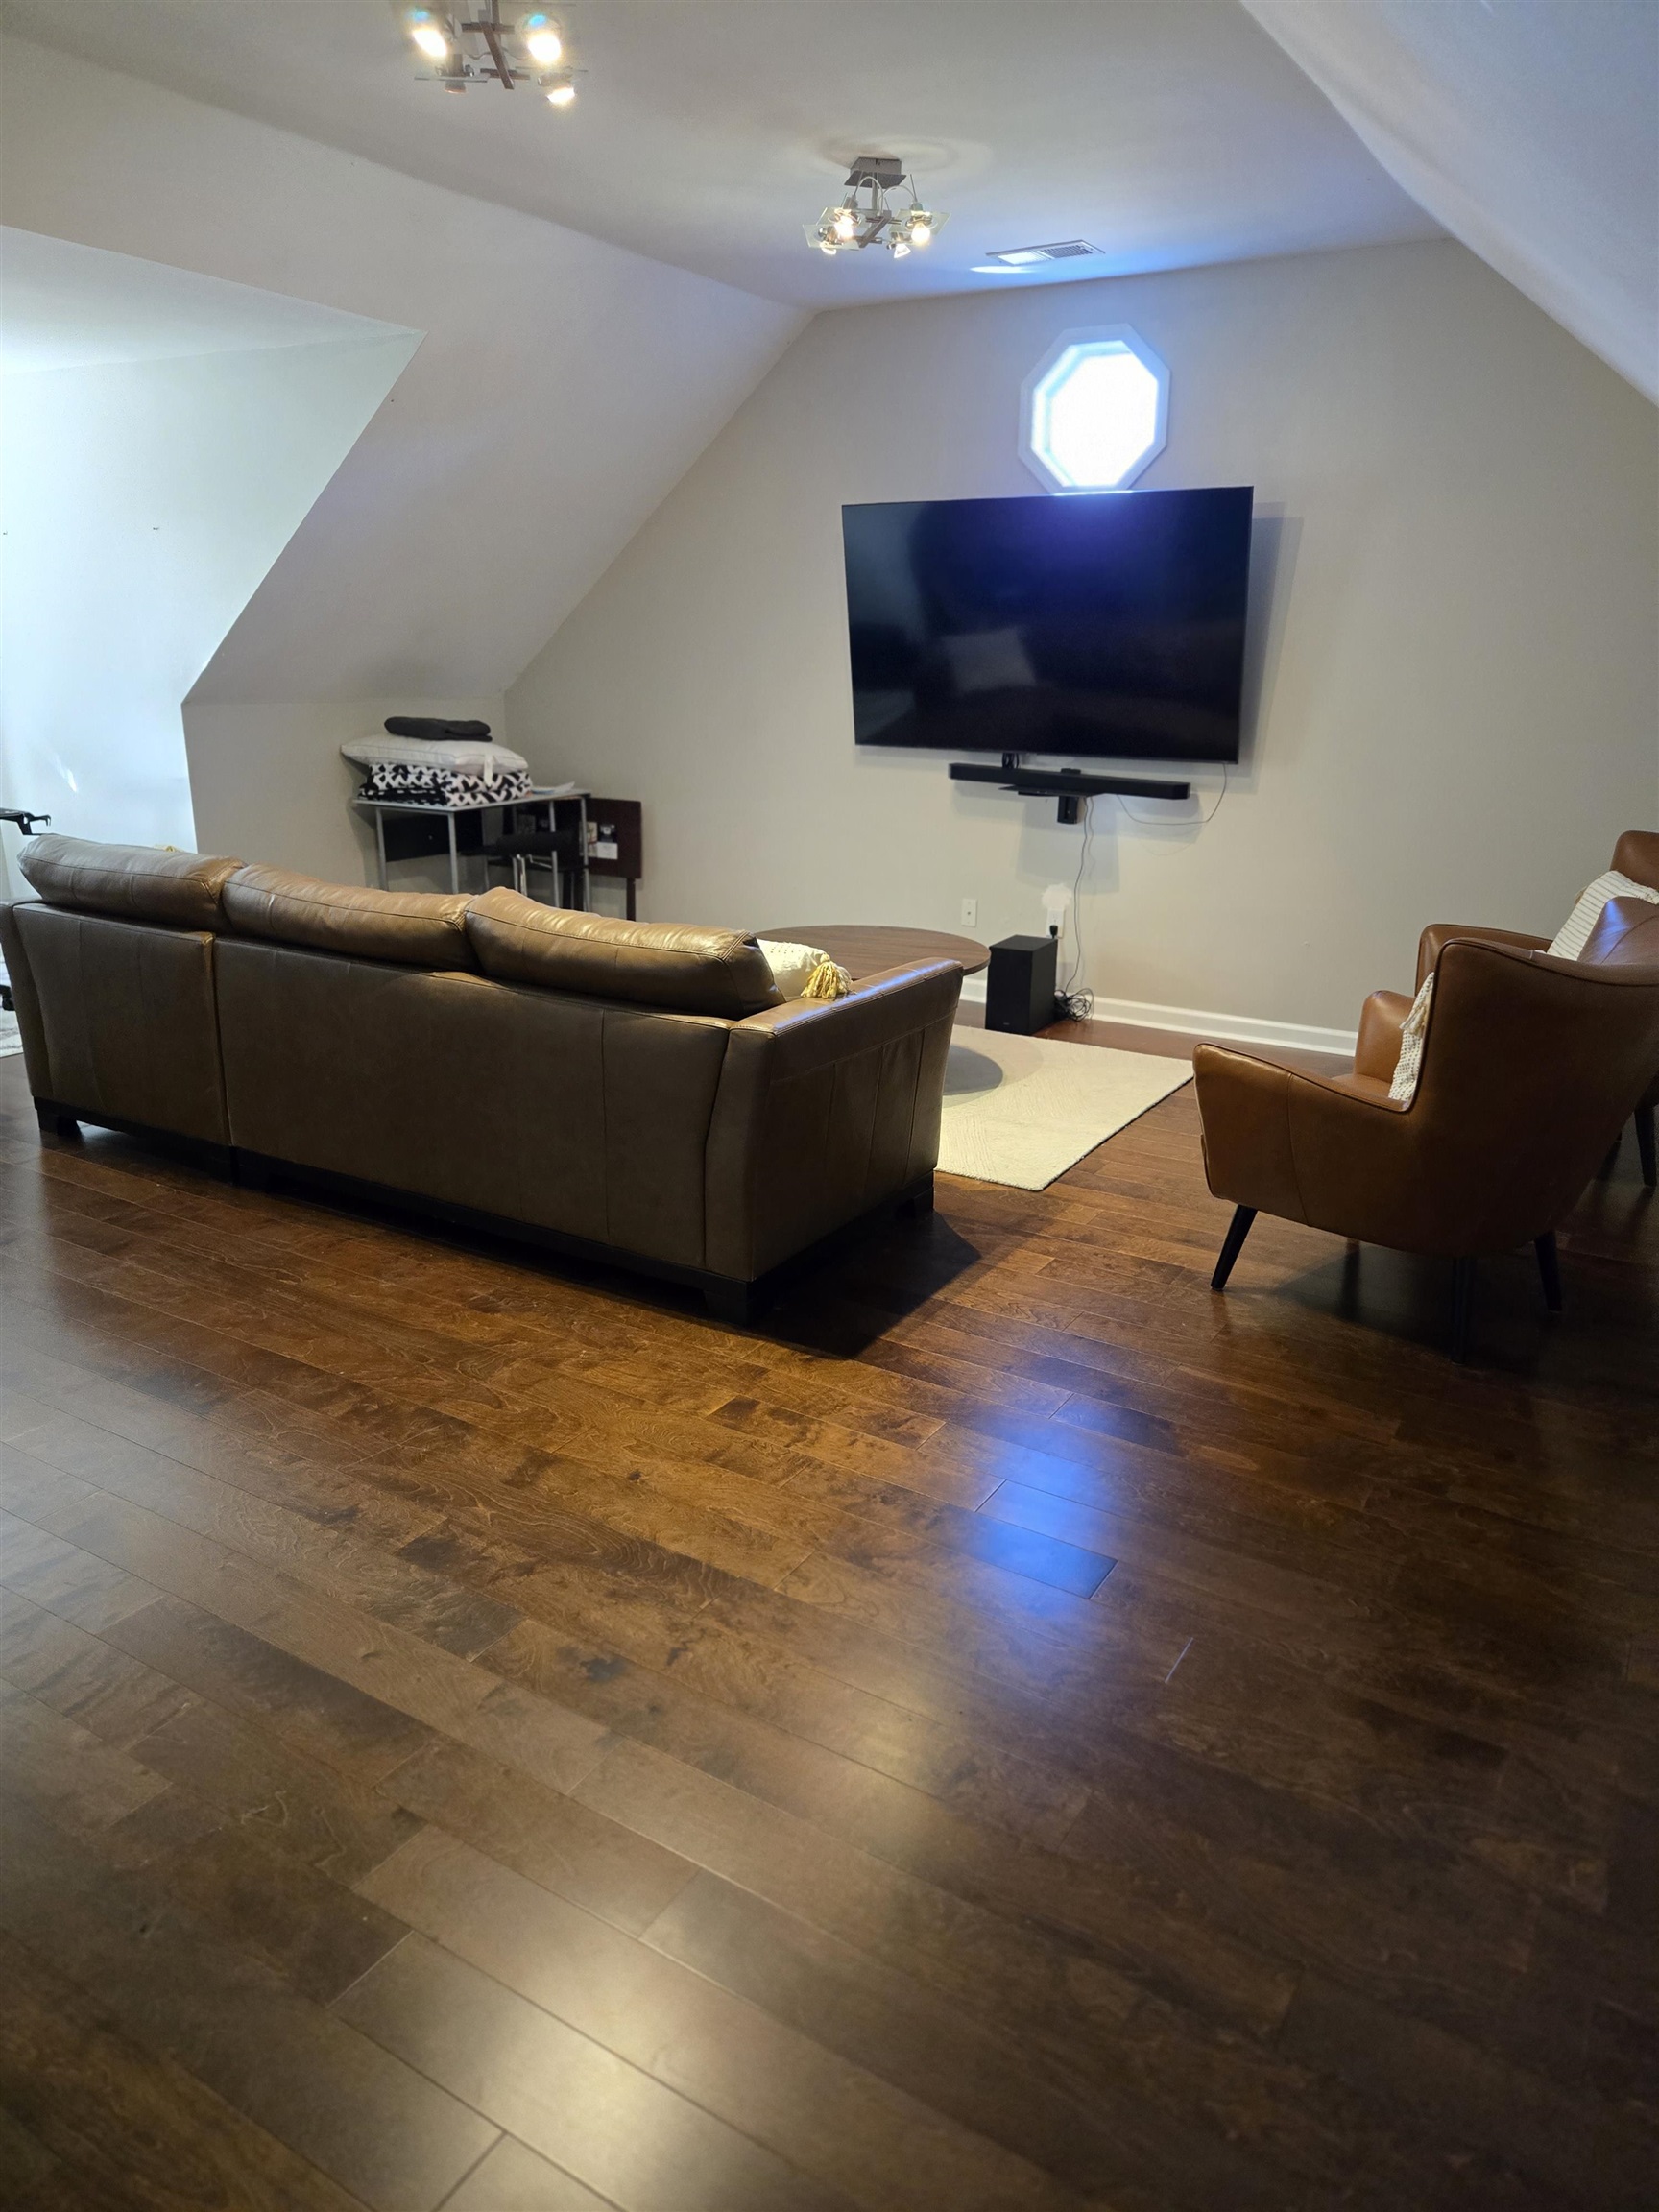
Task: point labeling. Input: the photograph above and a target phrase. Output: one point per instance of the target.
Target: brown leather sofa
(627, 1091)
(1529, 1065)
(1628, 935)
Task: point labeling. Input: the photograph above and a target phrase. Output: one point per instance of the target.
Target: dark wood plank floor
(1017, 1732)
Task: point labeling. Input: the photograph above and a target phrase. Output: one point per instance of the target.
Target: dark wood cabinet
(618, 822)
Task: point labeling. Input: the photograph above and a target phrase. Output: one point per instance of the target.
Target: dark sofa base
(729, 1297)
(58, 1120)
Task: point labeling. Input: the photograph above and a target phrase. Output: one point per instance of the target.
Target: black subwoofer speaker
(1019, 993)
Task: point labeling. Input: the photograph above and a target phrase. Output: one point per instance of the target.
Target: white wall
(269, 783)
(143, 502)
(1455, 666)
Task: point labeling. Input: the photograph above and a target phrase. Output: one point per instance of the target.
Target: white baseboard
(1189, 1021)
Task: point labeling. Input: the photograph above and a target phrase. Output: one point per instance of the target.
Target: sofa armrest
(808, 1033)
(1439, 934)
(825, 1108)
(1381, 1021)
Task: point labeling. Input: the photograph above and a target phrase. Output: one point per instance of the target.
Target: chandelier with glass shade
(478, 45)
(875, 212)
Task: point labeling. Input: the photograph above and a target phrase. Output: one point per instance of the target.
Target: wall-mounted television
(1105, 625)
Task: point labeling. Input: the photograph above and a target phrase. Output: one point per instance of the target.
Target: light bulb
(541, 35)
(899, 249)
(846, 223)
(921, 231)
(828, 246)
(562, 95)
(430, 41)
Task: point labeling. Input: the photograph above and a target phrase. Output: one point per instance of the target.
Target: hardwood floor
(1015, 1732)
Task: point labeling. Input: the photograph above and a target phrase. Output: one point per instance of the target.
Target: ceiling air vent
(1033, 257)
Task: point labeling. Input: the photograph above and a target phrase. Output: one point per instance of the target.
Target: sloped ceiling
(706, 132)
(560, 389)
(1528, 128)
(66, 306)
(563, 382)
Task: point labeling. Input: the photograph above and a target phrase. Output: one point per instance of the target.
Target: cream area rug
(1022, 1110)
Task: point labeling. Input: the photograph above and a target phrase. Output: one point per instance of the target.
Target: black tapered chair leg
(1237, 1229)
(1462, 1307)
(1645, 1145)
(1605, 1170)
(1549, 1270)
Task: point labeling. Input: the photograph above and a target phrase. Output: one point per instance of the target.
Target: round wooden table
(865, 947)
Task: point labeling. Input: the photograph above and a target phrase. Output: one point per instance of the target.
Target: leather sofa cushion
(669, 965)
(415, 928)
(597, 1115)
(133, 882)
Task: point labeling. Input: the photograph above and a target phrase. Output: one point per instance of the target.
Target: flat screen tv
(1105, 625)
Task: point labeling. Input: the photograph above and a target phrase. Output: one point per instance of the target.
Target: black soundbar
(1067, 784)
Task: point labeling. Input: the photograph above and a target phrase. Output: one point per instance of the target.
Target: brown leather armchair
(1529, 1065)
(1626, 935)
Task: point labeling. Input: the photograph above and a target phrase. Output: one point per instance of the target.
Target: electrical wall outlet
(969, 913)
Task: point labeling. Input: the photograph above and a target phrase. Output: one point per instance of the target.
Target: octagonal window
(1095, 411)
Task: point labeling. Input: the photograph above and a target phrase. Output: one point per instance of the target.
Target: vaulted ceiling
(69, 307)
(1166, 132)
(597, 290)
(1528, 128)
(707, 132)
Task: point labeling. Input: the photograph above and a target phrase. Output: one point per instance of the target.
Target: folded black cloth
(438, 733)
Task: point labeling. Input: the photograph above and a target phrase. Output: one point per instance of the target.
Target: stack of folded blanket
(433, 763)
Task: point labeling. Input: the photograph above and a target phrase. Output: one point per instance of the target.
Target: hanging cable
(1076, 998)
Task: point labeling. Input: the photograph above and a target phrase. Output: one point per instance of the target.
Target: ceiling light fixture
(476, 45)
(870, 215)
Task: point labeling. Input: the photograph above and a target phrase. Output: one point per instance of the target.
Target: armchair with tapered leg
(1529, 1065)
(1637, 856)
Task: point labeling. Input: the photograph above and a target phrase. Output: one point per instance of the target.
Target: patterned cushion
(447, 786)
(1409, 1068)
(459, 773)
